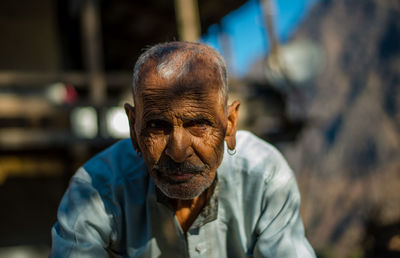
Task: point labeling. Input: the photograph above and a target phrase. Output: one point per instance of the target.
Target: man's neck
(186, 211)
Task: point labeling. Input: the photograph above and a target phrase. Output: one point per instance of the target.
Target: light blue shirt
(112, 208)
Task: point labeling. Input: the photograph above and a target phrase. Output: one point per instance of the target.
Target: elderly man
(186, 185)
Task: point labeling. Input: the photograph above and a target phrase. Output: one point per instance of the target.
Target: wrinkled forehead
(179, 74)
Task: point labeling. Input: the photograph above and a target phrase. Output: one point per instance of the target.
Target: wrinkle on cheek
(209, 147)
(218, 138)
(154, 147)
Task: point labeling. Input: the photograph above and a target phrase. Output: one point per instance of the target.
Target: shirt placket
(196, 242)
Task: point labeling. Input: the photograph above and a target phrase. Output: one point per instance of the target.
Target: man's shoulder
(257, 159)
(119, 161)
(251, 146)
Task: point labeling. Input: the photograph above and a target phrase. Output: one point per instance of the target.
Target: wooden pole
(188, 20)
(93, 50)
(269, 22)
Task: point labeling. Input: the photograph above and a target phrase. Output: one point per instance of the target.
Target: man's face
(180, 127)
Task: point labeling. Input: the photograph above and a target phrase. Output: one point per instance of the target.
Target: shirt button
(199, 248)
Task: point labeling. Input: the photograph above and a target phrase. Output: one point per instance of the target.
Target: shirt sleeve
(83, 228)
(281, 231)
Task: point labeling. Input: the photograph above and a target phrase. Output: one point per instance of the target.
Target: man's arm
(83, 228)
(281, 229)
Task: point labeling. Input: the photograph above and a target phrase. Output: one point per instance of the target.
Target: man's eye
(198, 123)
(154, 125)
(198, 127)
(157, 125)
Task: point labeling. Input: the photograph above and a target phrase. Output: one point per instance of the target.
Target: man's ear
(230, 136)
(130, 112)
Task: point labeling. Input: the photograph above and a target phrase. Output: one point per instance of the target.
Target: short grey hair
(173, 60)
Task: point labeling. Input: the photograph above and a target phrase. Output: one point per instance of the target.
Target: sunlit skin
(179, 126)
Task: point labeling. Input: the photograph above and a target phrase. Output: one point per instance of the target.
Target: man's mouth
(175, 177)
(178, 173)
(180, 178)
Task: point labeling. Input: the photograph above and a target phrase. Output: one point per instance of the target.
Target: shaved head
(175, 61)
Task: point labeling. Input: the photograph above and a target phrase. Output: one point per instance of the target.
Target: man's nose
(179, 145)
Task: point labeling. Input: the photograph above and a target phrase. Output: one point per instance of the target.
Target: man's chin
(181, 191)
